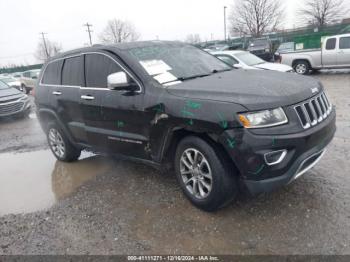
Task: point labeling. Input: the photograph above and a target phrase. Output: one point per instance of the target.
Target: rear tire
(302, 67)
(60, 145)
(204, 175)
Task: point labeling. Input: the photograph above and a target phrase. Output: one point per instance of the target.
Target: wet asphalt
(101, 205)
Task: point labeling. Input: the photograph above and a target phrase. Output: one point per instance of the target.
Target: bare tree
(53, 48)
(193, 39)
(118, 31)
(255, 17)
(322, 12)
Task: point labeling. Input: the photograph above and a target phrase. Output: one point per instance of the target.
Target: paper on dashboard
(155, 67)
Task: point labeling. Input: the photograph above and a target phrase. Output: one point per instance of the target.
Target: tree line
(257, 17)
(249, 17)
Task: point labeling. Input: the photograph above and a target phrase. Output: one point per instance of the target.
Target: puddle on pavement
(36, 180)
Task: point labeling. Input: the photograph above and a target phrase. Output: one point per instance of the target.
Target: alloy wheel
(301, 69)
(196, 173)
(56, 143)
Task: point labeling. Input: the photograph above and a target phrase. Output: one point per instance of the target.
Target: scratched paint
(159, 108)
(120, 124)
(231, 142)
(190, 122)
(223, 122)
(193, 105)
(273, 141)
(185, 112)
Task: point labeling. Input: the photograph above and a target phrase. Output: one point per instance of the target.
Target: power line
(44, 41)
(89, 30)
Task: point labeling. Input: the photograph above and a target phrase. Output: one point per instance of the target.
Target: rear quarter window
(52, 73)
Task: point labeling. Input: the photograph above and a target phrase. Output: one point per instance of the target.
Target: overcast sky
(22, 20)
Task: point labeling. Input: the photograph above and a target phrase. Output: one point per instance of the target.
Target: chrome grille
(8, 108)
(313, 111)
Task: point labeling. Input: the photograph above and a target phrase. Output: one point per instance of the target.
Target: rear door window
(330, 45)
(97, 69)
(52, 74)
(344, 43)
(72, 72)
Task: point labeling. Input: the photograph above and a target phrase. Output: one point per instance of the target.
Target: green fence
(10, 70)
(309, 37)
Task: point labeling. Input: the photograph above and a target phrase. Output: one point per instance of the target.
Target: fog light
(275, 157)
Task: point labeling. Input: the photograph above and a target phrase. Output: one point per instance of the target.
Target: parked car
(169, 104)
(12, 101)
(335, 53)
(29, 79)
(246, 60)
(13, 82)
(17, 74)
(284, 48)
(261, 47)
(217, 47)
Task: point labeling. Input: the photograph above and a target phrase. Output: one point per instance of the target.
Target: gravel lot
(104, 206)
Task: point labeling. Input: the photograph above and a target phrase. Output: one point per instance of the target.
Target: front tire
(60, 145)
(203, 174)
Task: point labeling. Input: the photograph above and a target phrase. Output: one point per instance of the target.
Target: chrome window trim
(91, 88)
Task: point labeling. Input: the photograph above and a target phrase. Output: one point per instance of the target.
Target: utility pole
(89, 30)
(225, 22)
(45, 46)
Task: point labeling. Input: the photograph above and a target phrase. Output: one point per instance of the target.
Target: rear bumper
(304, 150)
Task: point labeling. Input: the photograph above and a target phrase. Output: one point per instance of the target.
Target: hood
(9, 94)
(253, 89)
(275, 67)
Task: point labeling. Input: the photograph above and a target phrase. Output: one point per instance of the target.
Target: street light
(225, 22)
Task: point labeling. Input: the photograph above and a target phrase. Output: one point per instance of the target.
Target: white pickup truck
(334, 53)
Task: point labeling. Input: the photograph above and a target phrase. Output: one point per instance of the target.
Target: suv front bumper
(304, 150)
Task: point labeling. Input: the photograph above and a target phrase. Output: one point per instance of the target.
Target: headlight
(266, 118)
(267, 50)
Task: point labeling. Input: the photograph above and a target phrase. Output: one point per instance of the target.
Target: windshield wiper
(191, 77)
(223, 70)
(184, 78)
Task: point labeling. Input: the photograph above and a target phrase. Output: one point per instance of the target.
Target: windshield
(3, 85)
(249, 59)
(173, 62)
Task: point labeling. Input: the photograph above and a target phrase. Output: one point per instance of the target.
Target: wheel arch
(46, 116)
(176, 135)
(307, 60)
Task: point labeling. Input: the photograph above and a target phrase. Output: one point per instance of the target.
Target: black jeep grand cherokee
(167, 102)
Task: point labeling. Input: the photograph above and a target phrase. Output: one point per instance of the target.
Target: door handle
(57, 93)
(88, 97)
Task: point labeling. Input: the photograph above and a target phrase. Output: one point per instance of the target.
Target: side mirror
(120, 81)
(237, 66)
